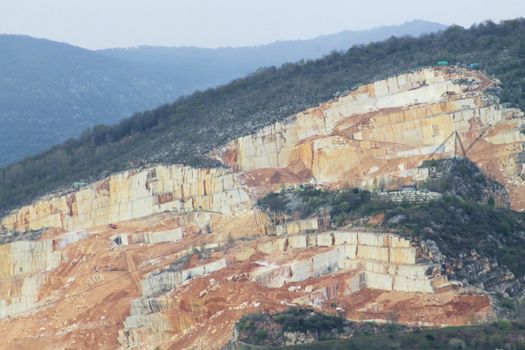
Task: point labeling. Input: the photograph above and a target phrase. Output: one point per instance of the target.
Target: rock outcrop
(135, 194)
(383, 261)
(374, 137)
(378, 136)
(190, 253)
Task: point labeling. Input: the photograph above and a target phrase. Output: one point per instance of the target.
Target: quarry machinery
(457, 142)
(479, 137)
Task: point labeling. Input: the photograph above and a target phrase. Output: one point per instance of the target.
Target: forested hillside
(185, 130)
(197, 68)
(51, 91)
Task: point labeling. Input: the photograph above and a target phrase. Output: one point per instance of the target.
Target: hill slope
(197, 68)
(175, 133)
(50, 91)
(179, 254)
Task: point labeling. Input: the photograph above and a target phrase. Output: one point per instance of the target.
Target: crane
(441, 146)
(483, 132)
(457, 140)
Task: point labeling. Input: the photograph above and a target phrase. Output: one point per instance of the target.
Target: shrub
(457, 344)
(245, 105)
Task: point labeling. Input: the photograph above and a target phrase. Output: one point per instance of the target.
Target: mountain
(51, 91)
(285, 208)
(198, 68)
(395, 202)
(175, 132)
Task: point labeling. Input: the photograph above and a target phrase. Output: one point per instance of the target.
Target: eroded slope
(187, 252)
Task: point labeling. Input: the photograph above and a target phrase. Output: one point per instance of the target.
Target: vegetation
(266, 331)
(498, 335)
(308, 200)
(186, 130)
(455, 224)
(461, 177)
(459, 226)
(273, 329)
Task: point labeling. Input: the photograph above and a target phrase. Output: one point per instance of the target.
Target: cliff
(135, 194)
(378, 135)
(172, 256)
(374, 137)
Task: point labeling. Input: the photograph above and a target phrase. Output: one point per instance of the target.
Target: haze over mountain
(202, 67)
(51, 91)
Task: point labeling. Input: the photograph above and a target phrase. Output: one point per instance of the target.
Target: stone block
(355, 283)
(325, 239)
(272, 276)
(372, 253)
(412, 271)
(402, 255)
(345, 237)
(372, 239)
(350, 251)
(298, 241)
(378, 280)
(407, 284)
(165, 236)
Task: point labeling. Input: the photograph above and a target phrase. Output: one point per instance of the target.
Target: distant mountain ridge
(185, 131)
(51, 91)
(210, 67)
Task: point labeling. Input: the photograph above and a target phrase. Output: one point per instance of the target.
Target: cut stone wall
(23, 257)
(275, 145)
(386, 261)
(409, 195)
(295, 227)
(135, 194)
(22, 270)
(146, 319)
(69, 238)
(18, 302)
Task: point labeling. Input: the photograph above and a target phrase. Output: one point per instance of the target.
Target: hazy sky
(212, 23)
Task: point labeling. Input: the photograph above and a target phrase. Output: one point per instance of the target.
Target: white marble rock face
(390, 125)
(387, 261)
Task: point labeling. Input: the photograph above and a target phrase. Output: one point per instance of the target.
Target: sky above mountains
(98, 24)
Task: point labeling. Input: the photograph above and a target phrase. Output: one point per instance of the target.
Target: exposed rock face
(135, 194)
(378, 135)
(375, 137)
(149, 237)
(383, 261)
(23, 266)
(190, 291)
(146, 322)
(26, 257)
(296, 226)
(291, 268)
